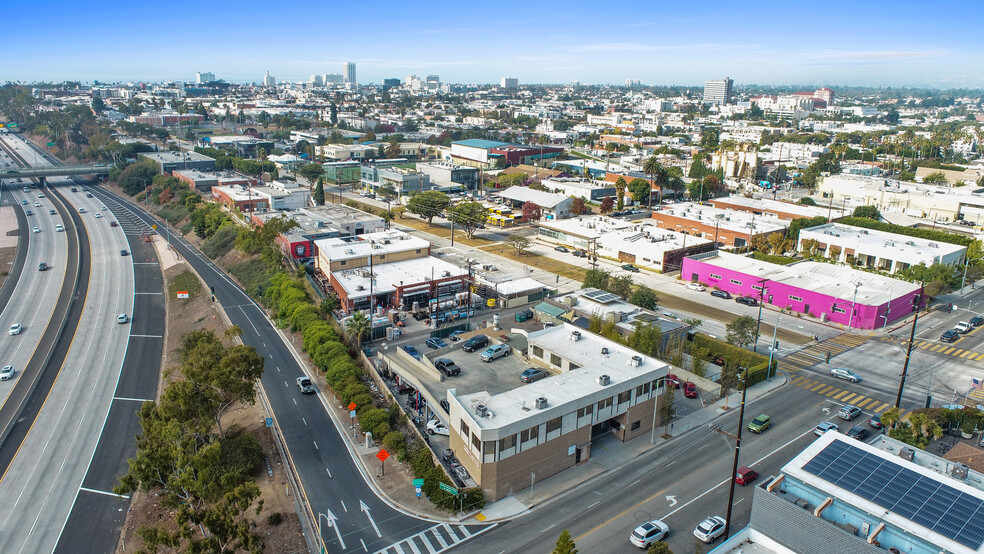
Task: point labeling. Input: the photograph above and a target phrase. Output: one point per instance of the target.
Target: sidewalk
(612, 455)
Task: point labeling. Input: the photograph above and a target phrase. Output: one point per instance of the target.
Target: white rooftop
(590, 226)
(384, 242)
(731, 220)
(768, 205)
(646, 239)
(911, 250)
(526, 194)
(525, 284)
(391, 275)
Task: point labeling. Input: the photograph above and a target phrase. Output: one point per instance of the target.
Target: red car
(672, 381)
(690, 390)
(745, 475)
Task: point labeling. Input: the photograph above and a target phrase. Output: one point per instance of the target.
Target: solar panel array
(601, 296)
(923, 500)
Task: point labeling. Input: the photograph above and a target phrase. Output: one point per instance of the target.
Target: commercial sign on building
(182, 294)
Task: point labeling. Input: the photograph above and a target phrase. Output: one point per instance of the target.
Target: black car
(580, 254)
(446, 406)
(474, 343)
(977, 321)
(42, 266)
(950, 335)
(858, 432)
(721, 294)
(447, 366)
(747, 300)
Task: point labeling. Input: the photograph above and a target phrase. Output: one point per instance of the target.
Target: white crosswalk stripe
(434, 541)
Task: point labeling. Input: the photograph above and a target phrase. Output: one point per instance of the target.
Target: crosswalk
(816, 354)
(436, 539)
(944, 348)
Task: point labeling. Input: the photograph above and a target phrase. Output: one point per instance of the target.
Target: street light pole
(734, 466)
(908, 349)
(768, 373)
(758, 324)
(854, 306)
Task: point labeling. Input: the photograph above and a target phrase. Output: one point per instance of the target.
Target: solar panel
(921, 499)
(601, 296)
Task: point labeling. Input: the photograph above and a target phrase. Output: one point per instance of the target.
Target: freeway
(353, 516)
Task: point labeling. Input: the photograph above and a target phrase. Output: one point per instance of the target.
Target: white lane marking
(107, 493)
(132, 399)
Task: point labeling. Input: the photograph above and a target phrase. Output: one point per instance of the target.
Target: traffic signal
(915, 303)
(775, 346)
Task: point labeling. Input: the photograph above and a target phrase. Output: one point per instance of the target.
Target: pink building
(829, 292)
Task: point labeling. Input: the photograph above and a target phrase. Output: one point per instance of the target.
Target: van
(963, 327)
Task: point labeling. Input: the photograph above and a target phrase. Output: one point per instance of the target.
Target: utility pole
(758, 324)
(908, 348)
(734, 466)
(468, 308)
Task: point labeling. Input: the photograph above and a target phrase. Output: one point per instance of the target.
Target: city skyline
(844, 44)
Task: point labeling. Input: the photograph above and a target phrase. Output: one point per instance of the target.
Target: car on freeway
(59, 228)
(7, 373)
(710, 529)
(99, 216)
(37, 204)
(475, 343)
(561, 249)
(124, 253)
(89, 195)
(825, 426)
(630, 267)
(690, 390)
(122, 318)
(305, 384)
(847, 374)
(875, 421)
(52, 212)
(435, 427)
(721, 294)
(412, 350)
(859, 432)
(113, 224)
(497, 351)
(849, 412)
(950, 335)
(29, 212)
(24, 202)
(40, 195)
(524, 315)
(447, 366)
(436, 343)
(73, 189)
(102, 207)
(648, 533)
(745, 475)
(81, 210)
(977, 321)
(759, 424)
(747, 300)
(532, 374)
(42, 266)
(15, 329)
(36, 230)
(696, 286)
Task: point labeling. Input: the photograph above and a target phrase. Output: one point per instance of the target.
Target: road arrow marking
(826, 411)
(364, 508)
(671, 499)
(331, 523)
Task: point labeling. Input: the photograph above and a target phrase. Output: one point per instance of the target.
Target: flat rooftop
(587, 226)
(526, 194)
(391, 275)
(769, 205)
(647, 239)
(886, 245)
(731, 220)
(375, 243)
(173, 157)
(320, 217)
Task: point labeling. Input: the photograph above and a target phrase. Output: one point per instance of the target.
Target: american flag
(977, 384)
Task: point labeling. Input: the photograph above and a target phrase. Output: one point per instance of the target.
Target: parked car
(710, 529)
(672, 381)
(405, 389)
(447, 366)
(847, 374)
(580, 253)
(695, 286)
(524, 315)
(849, 412)
(412, 350)
(7, 373)
(745, 475)
(747, 300)
(825, 426)
(858, 432)
(435, 427)
(721, 294)
(962, 327)
(305, 384)
(875, 421)
(759, 424)
(455, 336)
(532, 374)
(497, 351)
(474, 343)
(648, 533)
(436, 343)
(446, 406)
(950, 335)
(561, 249)
(630, 267)
(690, 390)
(977, 321)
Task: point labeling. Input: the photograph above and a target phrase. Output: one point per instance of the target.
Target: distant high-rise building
(269, 80)
(509, 82)
(334, 79)
(718, 91)
(825, 94)
(433, 82)
(349, 72)
(390, 83)
(204, 77)
(317, 80)
(632, 82)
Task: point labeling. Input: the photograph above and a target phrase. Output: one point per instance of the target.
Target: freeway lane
(17, 268)
(333, 483)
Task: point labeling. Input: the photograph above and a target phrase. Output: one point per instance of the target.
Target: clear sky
(833, 42)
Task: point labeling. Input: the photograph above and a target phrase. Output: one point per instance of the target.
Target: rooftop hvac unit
(910, 243)
(604, 350)
(541, 402)
(360, 287)
(604, 380)
(907, 454)
(481, 410)
(386, 241)
(350, 252)
(446, 273)
(959, 471)
(635, 361)
(575, 336)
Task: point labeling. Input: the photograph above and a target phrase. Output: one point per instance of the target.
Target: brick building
(727, 227)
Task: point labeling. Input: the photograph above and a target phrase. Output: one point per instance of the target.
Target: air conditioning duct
(541, 402)
(959, 471)
(907, 454)
(604, 380)
(635, 361)
(575, 336)
(481, 410)
(604, 350)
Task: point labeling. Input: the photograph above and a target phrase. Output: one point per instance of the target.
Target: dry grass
(538, 261)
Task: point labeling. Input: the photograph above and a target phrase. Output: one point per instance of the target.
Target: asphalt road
(16, 269)
(333, 482)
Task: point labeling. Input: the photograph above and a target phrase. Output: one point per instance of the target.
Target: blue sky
(834, 42)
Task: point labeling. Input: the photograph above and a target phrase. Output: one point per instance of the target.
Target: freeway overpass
(53, 171)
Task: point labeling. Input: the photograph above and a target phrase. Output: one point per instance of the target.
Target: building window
(343, 262)
(636, 425)
(476, 443)
(530, 434)
(555, 360)
(756, 287)
(507, 443)
(573, 366)
(642, 389)
(795, 298)
(713, 276)
(489, 447)
(624, 396)
(837, 310)
(581, 412)
(735, 282)
(382, 256)
(553, 425)
(418, 251)
(606, 403)
(538, 352)
(464, 428)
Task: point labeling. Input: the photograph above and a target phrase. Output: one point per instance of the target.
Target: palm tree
(652, 167)
(357, 326)
(620, 193)
(890, 417)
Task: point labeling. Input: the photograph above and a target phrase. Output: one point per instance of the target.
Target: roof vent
(907, 454)
(959, 471)
(575, 336)
(360, 287)
(604, 350)
(604, 380)
(481, 410)
(635, 361)
(541, 402)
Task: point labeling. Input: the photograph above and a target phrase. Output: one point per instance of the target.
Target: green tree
(520, 243)
(393, 148)
(871, 212)
(319, 192)
(469, 215)
(644, 297)
(698, 192)
(668, 409)
(620, 186)
(428, 204)
(935, 177)
(310, 171)
(656, 172)
(647, 338)
(659, 547)
(565, 544)
(358, 326)
(620, 285)
(740, 331)
(640, 189)
(596, 278)
(807, 201)
(796, 225)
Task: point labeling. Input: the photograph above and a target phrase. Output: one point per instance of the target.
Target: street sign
(352, 413)
(51, 145)
(448, 489)
(182, 294)
(418, 482)
(153, 226)
(269, 422)
(490, 302)
(351, 405)
(382, 455)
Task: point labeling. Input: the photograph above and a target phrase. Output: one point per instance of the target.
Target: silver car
(846, 374)
(7, 373)
(494, 352)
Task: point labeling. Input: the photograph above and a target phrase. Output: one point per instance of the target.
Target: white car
(36, 230)
(37, 204)
(15, 329)
(122, 318)
(98, 215)
(102, 207)
(710, 529)
(695, 286)
(825, 426)
(648, 533)
(59, 228)
(435, 427)
(81, 210)
(7, 373)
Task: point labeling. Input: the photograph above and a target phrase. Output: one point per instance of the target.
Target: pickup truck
(305, 384)
(963, 327)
